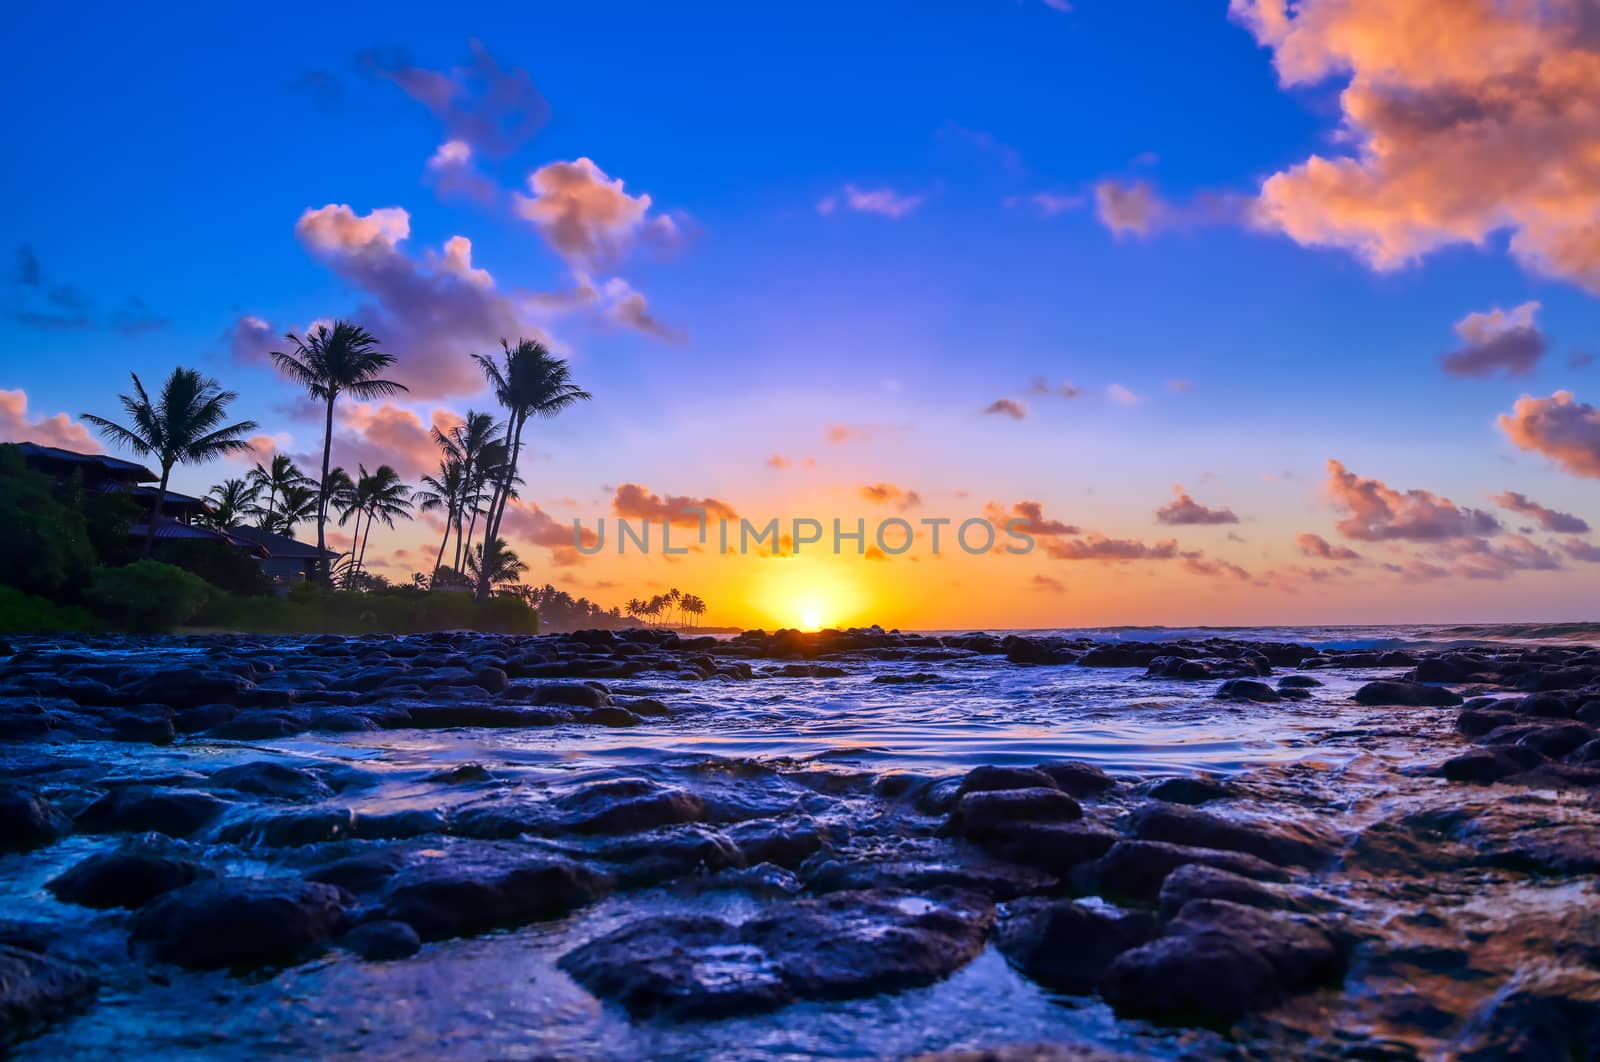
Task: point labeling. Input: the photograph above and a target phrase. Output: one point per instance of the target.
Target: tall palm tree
(275, 478)
(297, 503)
(184, 426)
(442, 492)
(503, 567)
(474, 445)
(380, 496)
(330, 362)
(531, 382)
(228, 504)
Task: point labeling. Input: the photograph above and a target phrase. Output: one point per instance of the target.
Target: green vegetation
(23, 613)
(45, 548)
(309, 609)
(147, 595)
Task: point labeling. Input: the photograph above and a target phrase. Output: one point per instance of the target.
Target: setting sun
(810, 619)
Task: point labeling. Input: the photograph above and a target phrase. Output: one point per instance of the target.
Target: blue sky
(164, 158)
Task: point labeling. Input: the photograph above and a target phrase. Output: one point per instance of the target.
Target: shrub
(308, 609)
(23, 614)
(219, 564)
(147, 595)
(44, 543)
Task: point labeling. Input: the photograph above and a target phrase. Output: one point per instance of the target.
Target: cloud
(839, 434)
(1032, 514)
(58, 429)
(480, 103)
(1006, 407)
(635, 502)
(779, 462)
(1316, 546)
(627, 307)
(1504, 341)
(1183, 509)
(430, 313)
(1462, 119)
(251, 340)
(1560, 427)
(1380, 513)
(1100, 548)
(1041, 386)
(451, 172)
(370, 435)
(986, 143)
(526, 522)
(884, 201)
(1047, 584)
(1214, 567)
(1128, 207)
(587, 217)
(1480, 559)
(889, 494)
(1121, 395)
(1549, 519)
(52, 306)
(1580, 550)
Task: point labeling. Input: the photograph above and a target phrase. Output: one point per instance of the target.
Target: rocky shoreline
(1446, 905)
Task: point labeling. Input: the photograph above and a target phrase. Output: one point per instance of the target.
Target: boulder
(240, 922)
(1067, 945)
(129, 877)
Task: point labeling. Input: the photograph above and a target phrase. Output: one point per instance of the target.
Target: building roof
(111, 466)
(281, 547)
(171, 530)
(172, 497)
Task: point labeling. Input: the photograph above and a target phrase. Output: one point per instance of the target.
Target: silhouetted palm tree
(380, 496)
(504, 566)
(184, 426)
(228, 504)
(296, 504)
(442, 492)
(274, 478)
(532, 382)
(330, 362)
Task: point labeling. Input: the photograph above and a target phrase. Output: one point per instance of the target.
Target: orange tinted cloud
(1127, 207)
(1497, 341)
(1006, 407)
(636, 502)
(1463, 118)
(1378, 512)
(58, 429)
(1560, 427)
(1316, 546)
(1100, 548)
(586, 216)
(1183, 509)
(1034, 521)
(1549, 519)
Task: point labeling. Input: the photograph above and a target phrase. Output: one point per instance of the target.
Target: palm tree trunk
(322, 491)
(361, 562)
(497, 506)
(155, 509)
(449, 515)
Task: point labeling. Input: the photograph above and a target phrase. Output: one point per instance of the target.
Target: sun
(810, 619)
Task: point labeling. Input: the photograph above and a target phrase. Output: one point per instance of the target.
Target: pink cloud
(479, 103)
(1183, 509)
(884, 201)
(1316, 546)
(587, 217)
(1497, 341)
(57, 430)
(1379, 512)
(1035, 523)
(1559, 427)
(889, 494)
(636, 502)
(1128, 207)
(1006, 407)
(1549, 519)
(1100, 548)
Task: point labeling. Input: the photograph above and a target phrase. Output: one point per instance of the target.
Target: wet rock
(981, 813)
(628, 806)
(990, 779)
(36, 990)
(1078, 779)
(997, 882)
(648, 707)
(144, 809)
(672, 852)
(1286, 843)
(1196, 881)
(271, 779)
(1559, 849)
(842, 946)
(1475, 722)
(259, 726)
(1218, 962)
(576, 695)
(398, 825)
(1135, 870)
(151, 724)
(1247, 690)
(129, 877)
(1556, 741)
(382, 941)
(466, 774)
(1115, 656)
(1026, 1053)
(290, 829)
(611, 716)
(1485, 766)
(492, 679)
(1067, 945)
(1298, 682)
(489, 888)
(202, 717)
(365, 871)
(28, 820)
(240, 922)
(1550, 1013)
(1194, 789)
(781, 842)
(1409, 694)
(439, 716)
(1056, 848)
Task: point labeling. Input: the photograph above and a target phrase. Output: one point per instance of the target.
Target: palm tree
(473, 444)
(531, 383)
(635, 607)
(297, 503)
(380, 496)
(330, 362)
(695, 606)
(504, 566)
(230, 501)
(276, 479)
(443, 491)
(185, 426)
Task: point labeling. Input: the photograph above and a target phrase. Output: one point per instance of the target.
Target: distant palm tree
(473, 444)
(330, 362)
(442, 492)
(531, 382)
(275, 478)
(380, 496)
(184, 426)
(228, 504)
(504, 567)
(635, 607)
(695, 606)
(296, 504)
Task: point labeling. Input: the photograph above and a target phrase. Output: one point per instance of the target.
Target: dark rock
(989, 779)
(1026, 1053)
(1078, 779)
(1475, 722)
(1485, 766)
(573, 694)
(1556, 741)
(490, 678)
(382, 941)
(1194, 789)
(611, 716)
(1544, 1013)
(1286, 843)
(1298, 682)
(842, 946)
(1056, 848)
(397, 825)
(1247, 690)
(998, 882)
(648, 707)
(1410, 694)
(489, 889)
(362, 872)
(240, 922)
(628, 806)
(142, 809)
(1135, 870)
(290, 829)
(36, 990)
(984, 812)
(270, 779)
(466, 774)
(1196, 881)
(28, 820)
(1067, 945)
(129, 877)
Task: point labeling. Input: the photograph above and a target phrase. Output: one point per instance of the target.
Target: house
(286, 560)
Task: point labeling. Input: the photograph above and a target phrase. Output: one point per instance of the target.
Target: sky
(1250, 313)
